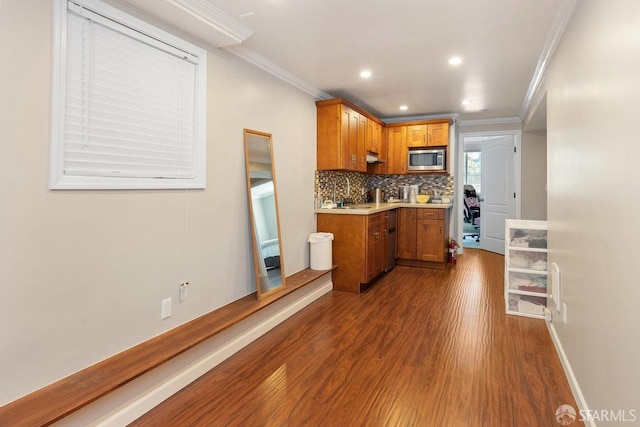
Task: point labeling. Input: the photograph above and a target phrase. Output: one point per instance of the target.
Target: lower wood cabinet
(359, 248)
(423, 237)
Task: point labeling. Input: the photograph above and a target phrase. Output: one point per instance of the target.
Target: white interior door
(497, 199)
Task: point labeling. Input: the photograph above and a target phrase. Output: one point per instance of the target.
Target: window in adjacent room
(472, 169)
(128, 103)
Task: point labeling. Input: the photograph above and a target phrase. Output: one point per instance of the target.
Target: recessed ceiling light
(466, 102)
(455, 60)
(404, 107)
(365, 74)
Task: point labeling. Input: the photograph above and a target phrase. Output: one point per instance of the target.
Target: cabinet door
(385, 241)
(374, 137)
(375, 244)
(438, 134)
(371, 140)
(430, 238)
(417, 136)
(346, 133)
(352, 137)
(332, 150)
(407, 233)
(397, 150)
(361, 152)
(381, 166)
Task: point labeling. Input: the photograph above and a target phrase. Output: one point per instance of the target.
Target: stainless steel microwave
(426, 159)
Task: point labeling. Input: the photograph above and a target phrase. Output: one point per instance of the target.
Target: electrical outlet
(166, 309)
(564, 313)
(184, 291)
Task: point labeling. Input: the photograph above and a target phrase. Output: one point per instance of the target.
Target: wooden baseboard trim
(57, 400)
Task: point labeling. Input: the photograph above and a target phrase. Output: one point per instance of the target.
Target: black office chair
(472, 211)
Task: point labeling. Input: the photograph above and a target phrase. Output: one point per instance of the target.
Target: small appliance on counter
(413, 192)
(376, 195)
(437, 196)
(404, 193)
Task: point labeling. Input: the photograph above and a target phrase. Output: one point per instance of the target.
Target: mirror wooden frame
(256, 159)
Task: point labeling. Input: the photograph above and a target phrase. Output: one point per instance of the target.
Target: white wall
(592, 99)
(534, 175)
(84, 272)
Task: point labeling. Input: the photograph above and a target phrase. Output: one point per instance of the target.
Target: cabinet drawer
(430, 213)
(376, 219)
(526, 304)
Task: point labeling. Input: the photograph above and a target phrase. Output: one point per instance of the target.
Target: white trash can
(320, 251)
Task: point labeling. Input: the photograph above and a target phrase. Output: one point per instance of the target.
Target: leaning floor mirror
(263, 210)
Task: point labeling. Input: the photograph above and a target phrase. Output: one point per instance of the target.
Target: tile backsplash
(360, 184)
(357, 185)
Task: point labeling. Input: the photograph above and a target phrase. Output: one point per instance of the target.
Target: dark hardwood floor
(420, 348)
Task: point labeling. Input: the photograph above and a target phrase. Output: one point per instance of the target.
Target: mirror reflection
(263, 207)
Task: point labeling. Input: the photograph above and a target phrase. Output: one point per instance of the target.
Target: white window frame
(57, 178)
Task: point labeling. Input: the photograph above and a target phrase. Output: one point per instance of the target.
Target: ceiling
(322, 46)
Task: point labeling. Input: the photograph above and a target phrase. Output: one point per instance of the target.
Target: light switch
(166, 308)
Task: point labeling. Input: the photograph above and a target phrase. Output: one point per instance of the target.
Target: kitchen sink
(354, 207)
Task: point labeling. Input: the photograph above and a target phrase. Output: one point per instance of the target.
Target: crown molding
(452, 116)
(263, 63)
(495, 121)
(196, 17)
(558, 27)
(215, 18)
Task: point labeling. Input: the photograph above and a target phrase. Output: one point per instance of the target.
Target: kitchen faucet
(335, 181)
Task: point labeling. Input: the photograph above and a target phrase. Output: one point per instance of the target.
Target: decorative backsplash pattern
(391, 184)
(357, 184)
(360, 184)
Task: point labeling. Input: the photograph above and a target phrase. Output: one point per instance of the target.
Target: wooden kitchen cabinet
(380, 168)
(403, 136)
(428, 135)
(406, 226)
(397, 150)
(431, 242)
(438, 134)
(423, 237)
(376, 231)
(417, 136)
(374, 137)
(359, 248)
(343, 134)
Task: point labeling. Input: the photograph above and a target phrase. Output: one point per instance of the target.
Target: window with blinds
(129, 103)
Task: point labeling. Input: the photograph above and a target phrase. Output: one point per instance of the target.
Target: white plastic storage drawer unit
(525, 272)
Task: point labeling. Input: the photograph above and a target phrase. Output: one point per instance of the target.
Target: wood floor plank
(420, 348)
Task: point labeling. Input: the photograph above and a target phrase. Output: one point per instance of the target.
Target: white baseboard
(136, 398)
(573, 381)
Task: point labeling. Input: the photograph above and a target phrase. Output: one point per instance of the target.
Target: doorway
(497, 156)
(472, 189)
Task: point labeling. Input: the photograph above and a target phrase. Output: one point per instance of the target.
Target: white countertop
(372, 208)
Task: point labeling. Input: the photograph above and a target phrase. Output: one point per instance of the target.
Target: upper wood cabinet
(382, 165)
(344, 134)
(428, 135)
(417, 136)
(396, 150)
(438, 134)
(374, 137)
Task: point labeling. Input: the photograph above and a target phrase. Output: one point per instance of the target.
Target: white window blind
(132, 106)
